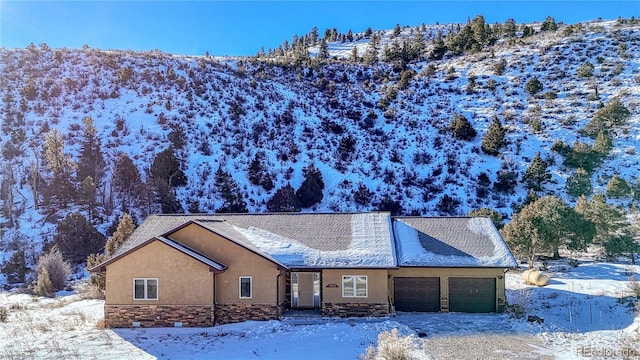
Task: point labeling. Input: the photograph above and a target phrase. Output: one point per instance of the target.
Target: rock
(535, 319)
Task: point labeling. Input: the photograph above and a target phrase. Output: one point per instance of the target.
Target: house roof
(450, 242)
(301, 240)
(341, 240)
(214, 265)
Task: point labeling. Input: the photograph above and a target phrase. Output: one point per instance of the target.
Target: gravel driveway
(486, 347)
(458, 336)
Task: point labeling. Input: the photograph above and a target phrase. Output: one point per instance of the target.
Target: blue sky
(242, 27)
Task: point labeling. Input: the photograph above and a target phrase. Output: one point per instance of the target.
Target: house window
(145, 289)
(354, 286)
(245, 287)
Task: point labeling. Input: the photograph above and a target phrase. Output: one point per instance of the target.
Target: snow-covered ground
(587, 312)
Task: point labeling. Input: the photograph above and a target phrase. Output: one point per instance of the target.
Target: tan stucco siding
(239, 261)
(182, 280)
(445, 273)
(377, 289)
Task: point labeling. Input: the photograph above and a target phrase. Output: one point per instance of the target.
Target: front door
(305, 290)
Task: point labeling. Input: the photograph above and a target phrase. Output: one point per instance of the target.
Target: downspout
(215, 307)
(278, 309)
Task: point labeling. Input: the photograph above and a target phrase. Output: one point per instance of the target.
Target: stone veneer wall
(232, 313)
(158, 315)
(354, 309)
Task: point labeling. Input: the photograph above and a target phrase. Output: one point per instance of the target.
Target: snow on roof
(370, 245)
(450, 242)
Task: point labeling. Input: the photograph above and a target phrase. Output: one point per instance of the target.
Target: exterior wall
(239, 262)
(182, 280)
(159, 315)
(375, 304)
(232, 313)
(445, 273)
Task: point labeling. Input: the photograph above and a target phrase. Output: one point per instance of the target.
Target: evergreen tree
(88, 195)
(608, 219)
(461, 128)
(536, 174)
(585, 70)
(549, 24)
(126, 182)
(258, 174)
(507, 177)
(91, 161)
(284, 200)
(618, 188)
(533, 86)
(60, 188)
(544, 226)
(579, 183)
(492, 214)
(166, 173)
(125, 228)
(494, 140)
(439, 48)
(310, 191)
(363, 195)
(612, 115)
(603, 143)
(323, 52)
(76, 238)
(229, 191)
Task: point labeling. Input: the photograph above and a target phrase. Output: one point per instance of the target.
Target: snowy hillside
(379, 133)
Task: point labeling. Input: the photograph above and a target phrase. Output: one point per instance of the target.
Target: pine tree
(258, 174)
(60, 189)
(125, 228)
(91, 161)
(494, 140)
(284, 200)
(536, 174)
(608, 219)
(126, 182)
(492, 214)
(545, 226)
(76, 238)
(549, 24)
(618, 188)
(579, 183)
(229, 191)
(323, 52)
(310, 191)
(603, 143)
(461, 128)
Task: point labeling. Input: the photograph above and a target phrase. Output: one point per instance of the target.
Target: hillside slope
(379, 132)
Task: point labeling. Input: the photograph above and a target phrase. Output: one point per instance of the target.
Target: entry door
(305, 290)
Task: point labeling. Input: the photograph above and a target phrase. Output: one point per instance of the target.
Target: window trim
(355, 286)
(250, 287)
(146, 282)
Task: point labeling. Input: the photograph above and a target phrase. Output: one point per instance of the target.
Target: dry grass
(391, 346)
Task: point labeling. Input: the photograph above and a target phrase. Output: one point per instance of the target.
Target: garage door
(472, 295)
(416, 293)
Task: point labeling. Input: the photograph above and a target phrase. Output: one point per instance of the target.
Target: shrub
(76, 238)
(44, 287)
(461, 128)
(4, 314)
(634, 286)
(533, 86)
(56, 269)
(391, 346)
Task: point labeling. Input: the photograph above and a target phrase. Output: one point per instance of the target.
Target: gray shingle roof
(451, 242)
(344, 240)
(293, 239)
